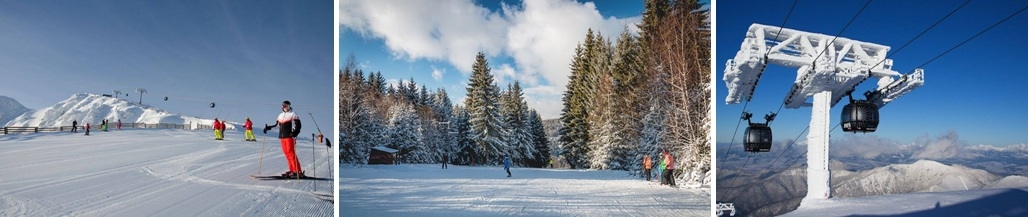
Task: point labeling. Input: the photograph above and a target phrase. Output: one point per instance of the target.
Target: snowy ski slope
(154, 172)
(427, 190)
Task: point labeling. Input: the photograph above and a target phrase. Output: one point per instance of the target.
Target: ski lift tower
(833, 74)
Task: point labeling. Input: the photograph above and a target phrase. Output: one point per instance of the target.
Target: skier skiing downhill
(217, 129)
(249, 130)
(506, 165)
(289, 127)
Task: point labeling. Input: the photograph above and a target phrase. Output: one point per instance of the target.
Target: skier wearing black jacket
(288, 124)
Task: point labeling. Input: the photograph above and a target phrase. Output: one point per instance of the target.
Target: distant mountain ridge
(93, 109)
(9, 109)
(781, 192)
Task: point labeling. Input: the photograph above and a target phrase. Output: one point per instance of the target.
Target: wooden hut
(382, 155)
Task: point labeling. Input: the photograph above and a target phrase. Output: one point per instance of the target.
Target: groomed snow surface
(155, 172)
(427, 190)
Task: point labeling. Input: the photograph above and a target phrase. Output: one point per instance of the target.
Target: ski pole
(315, 173)
(260, 162)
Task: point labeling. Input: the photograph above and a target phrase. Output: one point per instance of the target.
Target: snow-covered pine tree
(539, 139)
(628, 106)
(466, 149)
(443, 111)
(359, 124)
(574, 131)
(514, 110)
(405, 133)
(654, 122)
(483, 107)
(601, 126)
(682, 40)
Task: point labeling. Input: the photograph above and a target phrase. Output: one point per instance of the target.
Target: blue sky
(976, 90)
(247, 56)
(531, 41)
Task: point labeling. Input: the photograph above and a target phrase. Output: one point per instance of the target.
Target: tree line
(642, 94)
(426, 127)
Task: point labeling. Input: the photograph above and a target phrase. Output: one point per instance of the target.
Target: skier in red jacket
(288, 124)
(217, 129)
(249, 130)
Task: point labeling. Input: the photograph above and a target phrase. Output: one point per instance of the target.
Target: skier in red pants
(289, 127)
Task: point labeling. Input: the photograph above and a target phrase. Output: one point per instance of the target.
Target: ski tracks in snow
(150, 172)
(425, 190)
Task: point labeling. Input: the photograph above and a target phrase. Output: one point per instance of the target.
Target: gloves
(266, 128)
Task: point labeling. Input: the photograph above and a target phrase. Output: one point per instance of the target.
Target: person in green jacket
(660, 172)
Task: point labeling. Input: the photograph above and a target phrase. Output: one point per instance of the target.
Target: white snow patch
(428, 190)
(154, 172)
(990, 202)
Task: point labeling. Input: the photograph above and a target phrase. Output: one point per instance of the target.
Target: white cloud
(437, 74)
(500, 75)
(545, 90)
(543, 35)
(548, 106)
(539, 35)
(452, 30)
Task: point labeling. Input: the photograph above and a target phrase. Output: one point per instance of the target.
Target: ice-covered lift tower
(827, 79)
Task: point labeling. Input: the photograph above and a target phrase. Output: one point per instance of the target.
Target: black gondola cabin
(860, 116)
(758, 138)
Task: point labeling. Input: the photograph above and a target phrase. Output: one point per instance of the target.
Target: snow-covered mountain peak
(10, 108)
(93, 108)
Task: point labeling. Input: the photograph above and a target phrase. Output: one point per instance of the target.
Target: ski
(322, 196)
(285, 178)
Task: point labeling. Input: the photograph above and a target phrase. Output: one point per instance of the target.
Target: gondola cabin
(860, 116)
(758, 138)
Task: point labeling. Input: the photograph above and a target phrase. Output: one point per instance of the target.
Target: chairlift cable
(791, 143)
(780, 27)
(920, 34)
(730, 144)
(748, 156)
(829, 44)
(972, 37)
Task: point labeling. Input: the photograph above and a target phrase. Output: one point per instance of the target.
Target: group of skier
(103, 126)
(287, 122)
(665, 169)
(289, 127)
(219, 129)
(220, 126)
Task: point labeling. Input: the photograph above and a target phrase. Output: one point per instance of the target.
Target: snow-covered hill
(10, 108)
(781, 192)
(921, 176)
(93, 108)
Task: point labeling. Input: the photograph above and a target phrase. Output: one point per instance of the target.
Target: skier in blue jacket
(506, 165)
